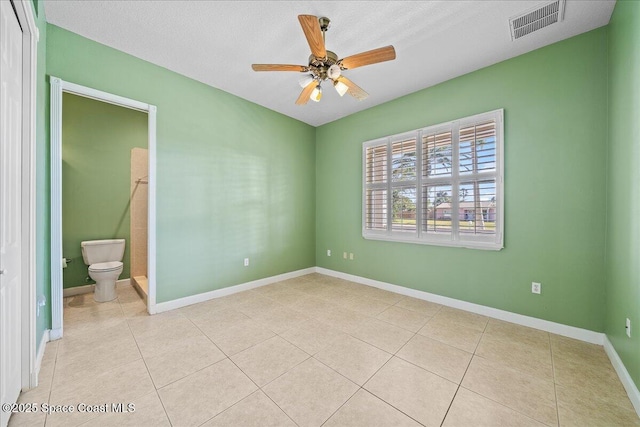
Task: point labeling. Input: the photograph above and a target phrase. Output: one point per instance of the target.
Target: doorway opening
(147, 240)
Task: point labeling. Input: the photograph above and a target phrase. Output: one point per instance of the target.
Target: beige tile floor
(314, 351)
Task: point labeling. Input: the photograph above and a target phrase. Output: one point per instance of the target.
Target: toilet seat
(105, 266)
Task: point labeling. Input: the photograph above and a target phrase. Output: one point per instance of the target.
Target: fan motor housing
(320, 66)
(331, 59)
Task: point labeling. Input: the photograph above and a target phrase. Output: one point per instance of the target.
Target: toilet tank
(95, 251)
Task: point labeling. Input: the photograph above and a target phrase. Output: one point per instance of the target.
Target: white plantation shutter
(404, 172)
(375, 200)
(439, 185)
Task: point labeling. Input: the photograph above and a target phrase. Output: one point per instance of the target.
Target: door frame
(30, 35)
(58, 87)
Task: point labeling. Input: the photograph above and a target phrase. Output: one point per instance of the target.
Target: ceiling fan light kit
(340, 87)
(326, 65)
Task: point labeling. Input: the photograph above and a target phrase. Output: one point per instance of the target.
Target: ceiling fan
(324, 65)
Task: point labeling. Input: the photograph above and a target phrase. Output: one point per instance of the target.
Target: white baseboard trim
(520, 319)
(194, 299)
(87, 289)
(41, 348)
(55, 334)
(77, 290)
(623, 374)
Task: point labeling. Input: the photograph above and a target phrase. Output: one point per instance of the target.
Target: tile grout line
(464, 374)
(148, 371)
(555, 386)
(55, 365)
(489, 398)
(244, 373)
(378, 397)
(260, 388)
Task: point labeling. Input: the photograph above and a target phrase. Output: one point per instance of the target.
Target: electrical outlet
(246, 262)
(536, 287)
(628, 327)
(328, 252)
(351, 256)
(344, 255)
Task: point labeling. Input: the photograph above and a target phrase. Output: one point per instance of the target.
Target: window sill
(482, 245)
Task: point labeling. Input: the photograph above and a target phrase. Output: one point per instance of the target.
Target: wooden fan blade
(306, 93)
(278, 67)
(313, 33)
(354, 90)
(374, 56)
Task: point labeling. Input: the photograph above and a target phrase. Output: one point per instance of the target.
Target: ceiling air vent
(535, 19)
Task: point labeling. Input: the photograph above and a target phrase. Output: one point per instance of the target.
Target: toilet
(104, 258)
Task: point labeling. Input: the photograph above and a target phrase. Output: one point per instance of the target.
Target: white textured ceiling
(215, 42)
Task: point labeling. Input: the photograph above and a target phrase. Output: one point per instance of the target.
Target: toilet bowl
(106, 275)
(104, 258)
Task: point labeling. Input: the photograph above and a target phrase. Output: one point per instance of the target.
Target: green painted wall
(623, 189)
(43, 242)
(234, 179)
(555, 102)
(97, 139)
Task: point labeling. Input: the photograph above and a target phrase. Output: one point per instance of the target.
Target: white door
(10, 205)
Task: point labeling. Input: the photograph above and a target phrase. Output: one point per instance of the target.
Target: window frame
(453, 239)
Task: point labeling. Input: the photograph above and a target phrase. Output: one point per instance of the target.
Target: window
(440, 185)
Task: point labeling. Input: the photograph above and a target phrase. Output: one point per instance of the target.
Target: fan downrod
(324, 24)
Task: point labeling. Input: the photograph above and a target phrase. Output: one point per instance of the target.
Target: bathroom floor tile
(134, 309)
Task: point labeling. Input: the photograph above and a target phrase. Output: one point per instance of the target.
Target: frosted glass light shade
(316, 95)
(334, 71)
(341, 88)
